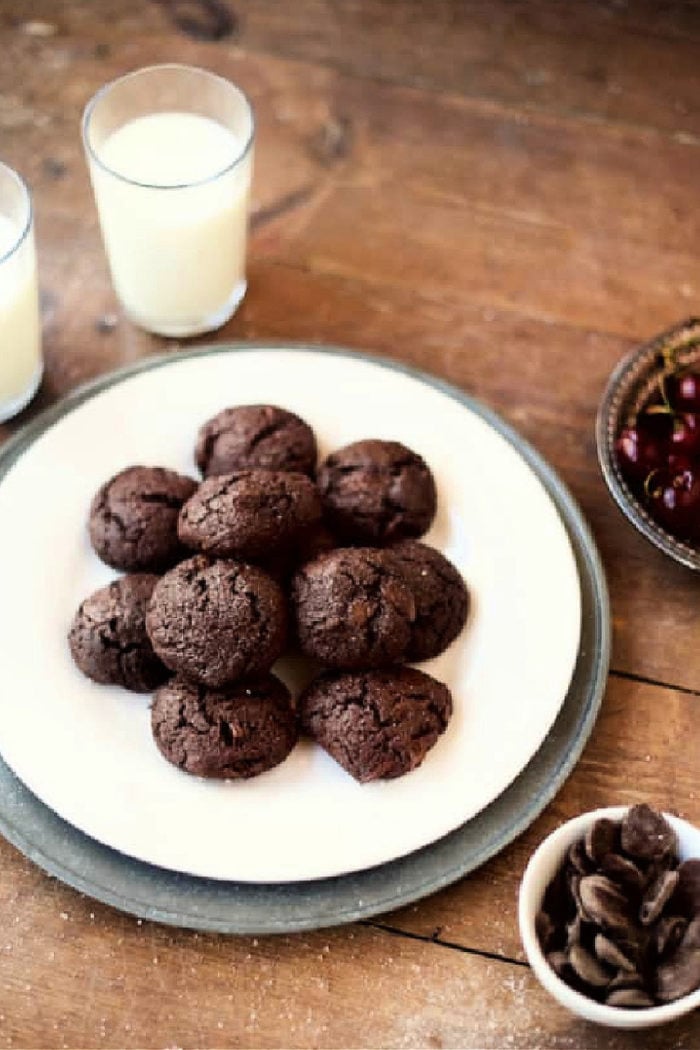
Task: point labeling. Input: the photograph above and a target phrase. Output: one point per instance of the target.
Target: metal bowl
(629, 388)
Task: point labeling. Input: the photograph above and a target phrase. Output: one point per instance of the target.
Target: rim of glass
(27, 225)
(101, 94)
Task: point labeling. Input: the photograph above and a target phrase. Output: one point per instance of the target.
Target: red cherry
(638, 454)
(674, 501)
(657, 423)
(683, 391)
(678, 462)
(685, 434)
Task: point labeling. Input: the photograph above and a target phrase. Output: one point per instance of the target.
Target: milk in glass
(172, 194)
(20, 330)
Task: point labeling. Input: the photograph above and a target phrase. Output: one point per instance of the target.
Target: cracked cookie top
(352, 608)
(252, 514)
(377, 492)
(217, 621)
(252, 437)
(133, 519)
(440, 594)
(108, 639)
(376, 724)
(235, 732)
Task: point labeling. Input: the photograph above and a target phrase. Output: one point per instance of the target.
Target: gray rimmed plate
(246, 907)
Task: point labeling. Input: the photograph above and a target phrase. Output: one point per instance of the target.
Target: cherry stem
(662, 387)
(669, 361)
(670, 356)
(647, 484)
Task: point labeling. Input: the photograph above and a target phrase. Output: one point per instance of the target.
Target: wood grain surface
(503, 194)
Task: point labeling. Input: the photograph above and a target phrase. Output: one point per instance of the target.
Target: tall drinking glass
(20, 325)
(170, 153)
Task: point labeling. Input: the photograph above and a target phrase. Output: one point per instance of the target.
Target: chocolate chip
(634, 944)
(574, 881)
(656, 868)
(559, 962)
(557, 900)
(545, 930)
(657, 897)
(573, 932)
(668, 934)
(687, 897)
(623, 871)
(680, 974)
(587, 967)
(626, 979)
(608, 952)
(647, 834)
(691, 937)
(578, 858)
(601, 838)
(632, 998)
(604, 903)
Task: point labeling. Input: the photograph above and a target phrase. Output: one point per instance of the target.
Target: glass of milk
(170, 152)
(20, 326)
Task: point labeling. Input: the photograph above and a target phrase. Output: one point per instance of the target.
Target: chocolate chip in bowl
(609, 915)
(648, 440)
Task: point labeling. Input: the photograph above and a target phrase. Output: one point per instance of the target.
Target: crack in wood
(426, 939)
(630, 676)
(447, 297)
(280, 207)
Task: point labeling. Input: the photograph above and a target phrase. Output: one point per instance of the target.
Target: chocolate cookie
(442, 600)
(108, 639)
(232, 733)
(255, 437)
(249, 514)
(376, 724)
(133, 519)
(353, 608)
(377, 492)
(215, 622)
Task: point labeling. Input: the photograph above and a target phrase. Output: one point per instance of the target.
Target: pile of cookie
(620, 921)
(266, 554)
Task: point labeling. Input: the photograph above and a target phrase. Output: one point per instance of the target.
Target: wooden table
(504, 194)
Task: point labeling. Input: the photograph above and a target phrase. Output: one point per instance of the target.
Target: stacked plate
(85, 794)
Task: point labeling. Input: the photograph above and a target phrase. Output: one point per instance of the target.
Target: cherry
(685, 434)
(639, 453)
(678, 462)
(683, 391)
(674, 501)
(656, 421)
(659, 453)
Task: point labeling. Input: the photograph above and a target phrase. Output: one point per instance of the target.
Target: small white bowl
(542, 867)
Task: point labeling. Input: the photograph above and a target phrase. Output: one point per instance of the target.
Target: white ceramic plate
(86, 750)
